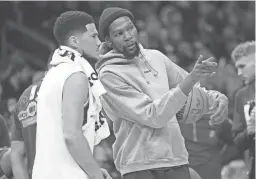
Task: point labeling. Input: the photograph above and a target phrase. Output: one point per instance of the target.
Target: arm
(177, 75)
(128, 103)
(18, 155)
(239, 124)
(4, 134)
(74, 96)
(187, 81)
(18, 160)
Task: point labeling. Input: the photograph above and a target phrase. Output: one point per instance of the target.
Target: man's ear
(72, 41)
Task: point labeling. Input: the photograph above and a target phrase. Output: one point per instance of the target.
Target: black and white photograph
(127, 89)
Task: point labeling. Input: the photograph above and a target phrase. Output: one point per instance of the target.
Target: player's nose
(98, 42)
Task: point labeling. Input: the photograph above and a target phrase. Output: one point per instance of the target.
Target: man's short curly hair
(69, 22)
(242, 50)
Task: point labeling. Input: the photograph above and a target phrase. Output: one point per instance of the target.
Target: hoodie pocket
(133, 147)
(165, 143)
(157, 148)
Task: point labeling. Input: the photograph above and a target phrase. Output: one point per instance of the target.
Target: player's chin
(132, 52)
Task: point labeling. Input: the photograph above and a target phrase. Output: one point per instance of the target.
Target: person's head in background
(26, 73)
(244, 58)
(117, 29)
(77, 30)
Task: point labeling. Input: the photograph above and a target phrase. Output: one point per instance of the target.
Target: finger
(208, 74)
(211, 59)
(223, 116)
(203, 71)
(216, 114)
(214, 64)
(200, 59)
(219, 111)
(219, 119)
(205, 68)
(212, 74)
(207, 65)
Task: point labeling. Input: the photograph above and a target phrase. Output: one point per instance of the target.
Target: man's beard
(129, 55)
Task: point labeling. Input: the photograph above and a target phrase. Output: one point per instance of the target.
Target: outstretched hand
(203, 68)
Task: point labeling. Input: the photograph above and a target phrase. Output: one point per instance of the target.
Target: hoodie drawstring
(141, 71)
(155, 72)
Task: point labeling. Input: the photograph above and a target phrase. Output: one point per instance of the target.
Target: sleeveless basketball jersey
(53, 160)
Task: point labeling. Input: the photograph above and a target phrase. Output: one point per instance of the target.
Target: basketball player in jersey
(62, 150)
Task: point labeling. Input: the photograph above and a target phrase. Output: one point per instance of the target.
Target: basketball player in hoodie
(63, 150)
(145, 90)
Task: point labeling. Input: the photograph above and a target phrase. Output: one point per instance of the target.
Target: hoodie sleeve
(176, 74)
(124, 101)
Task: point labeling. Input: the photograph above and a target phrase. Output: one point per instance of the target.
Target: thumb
(200, 59)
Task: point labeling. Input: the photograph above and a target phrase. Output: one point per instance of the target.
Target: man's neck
(76, 52)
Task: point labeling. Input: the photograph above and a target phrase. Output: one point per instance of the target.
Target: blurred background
(182, 30)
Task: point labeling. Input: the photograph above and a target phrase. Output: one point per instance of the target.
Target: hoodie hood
(112, 57)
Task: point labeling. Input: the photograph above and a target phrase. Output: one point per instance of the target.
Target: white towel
(96, 125)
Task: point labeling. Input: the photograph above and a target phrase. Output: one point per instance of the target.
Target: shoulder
(158, 56)
(24, 98)
(76, 82)
(153, 52)
(76, 88)
(78, 77)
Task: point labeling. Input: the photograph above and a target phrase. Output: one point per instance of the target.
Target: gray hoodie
(143, 97)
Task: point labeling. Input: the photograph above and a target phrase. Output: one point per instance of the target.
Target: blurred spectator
(11, 85)
(235, 170)
(38, 76)
(204, 144)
